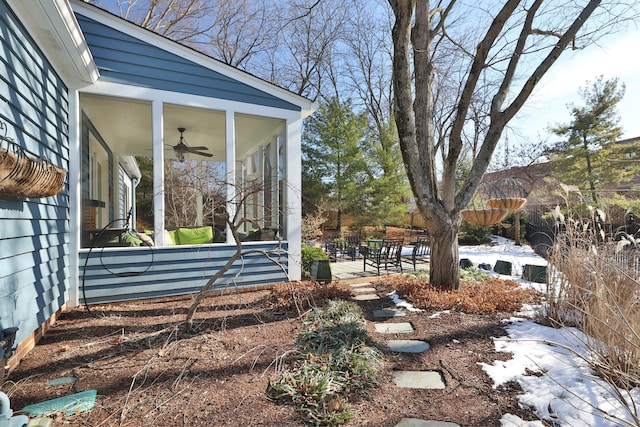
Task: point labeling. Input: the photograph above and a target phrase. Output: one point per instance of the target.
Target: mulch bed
(148, 372)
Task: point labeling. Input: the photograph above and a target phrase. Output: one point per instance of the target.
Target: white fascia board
(178, 98)
(55, 28)
(130, 166)
(307, 106)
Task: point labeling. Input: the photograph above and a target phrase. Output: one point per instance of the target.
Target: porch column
(75, 195)
(293, 199)
(230, 158)
(157, 134)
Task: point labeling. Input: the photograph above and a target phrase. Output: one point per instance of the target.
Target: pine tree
(332, 157)
(583, 157)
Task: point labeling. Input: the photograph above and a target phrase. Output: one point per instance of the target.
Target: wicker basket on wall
(484, 217)
(22, 176)
(510, 203)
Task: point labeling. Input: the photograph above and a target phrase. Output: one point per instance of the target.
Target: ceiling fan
(181, 148)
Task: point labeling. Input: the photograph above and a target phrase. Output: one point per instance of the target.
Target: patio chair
(417, 251)
(383, 253)
(350, 245)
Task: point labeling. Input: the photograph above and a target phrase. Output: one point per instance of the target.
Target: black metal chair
(383, 253)
(351, 243)
(419, 251)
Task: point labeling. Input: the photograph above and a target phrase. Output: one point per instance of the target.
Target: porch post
(230, 158)
(158, 171)
(75, 195)
(293, 198)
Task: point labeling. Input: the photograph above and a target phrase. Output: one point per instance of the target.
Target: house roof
(53, 25)
(130, 54)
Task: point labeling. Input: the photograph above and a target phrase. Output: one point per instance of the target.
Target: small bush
(301, 296)
(335, 356)
(471, 234)
(310, 253)
(490, 296)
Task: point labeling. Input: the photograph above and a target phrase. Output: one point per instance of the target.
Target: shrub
(309, 253)
(490, 296)
(302, 296)
(335, 356)
(471, 234)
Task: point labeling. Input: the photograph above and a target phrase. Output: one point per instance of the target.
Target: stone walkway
(389, 322)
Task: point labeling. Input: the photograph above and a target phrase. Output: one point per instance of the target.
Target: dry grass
(303, 296)
(490, 296)
(593, 288)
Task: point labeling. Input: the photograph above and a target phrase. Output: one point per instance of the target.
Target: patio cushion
(194, 236)
(170, 238)
(126, 239)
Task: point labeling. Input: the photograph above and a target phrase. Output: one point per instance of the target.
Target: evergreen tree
(583, 158)
(387, 188)
(332, 158)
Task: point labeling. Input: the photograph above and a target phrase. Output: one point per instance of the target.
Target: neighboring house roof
(540, 192)
(127, 53)
(531, 178)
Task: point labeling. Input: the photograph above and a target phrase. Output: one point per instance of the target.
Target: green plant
(334, 356)
(473, 275)
(310, 253)
(471, 234)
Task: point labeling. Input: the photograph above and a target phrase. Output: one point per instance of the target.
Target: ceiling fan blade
(197, 148)
(201, 153)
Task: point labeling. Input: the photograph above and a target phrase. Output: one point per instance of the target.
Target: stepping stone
(40, 422)
(394, 328)
(408, 346)
(385, 313)
(414, 422)
(70, 405)
(365, 297)
(418, 379)
(61, 381)
(364, 290)
(359, 284)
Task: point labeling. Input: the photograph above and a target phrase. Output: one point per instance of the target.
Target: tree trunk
(444, 273)
(516, 224)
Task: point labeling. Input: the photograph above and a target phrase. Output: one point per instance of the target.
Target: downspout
(135, 183)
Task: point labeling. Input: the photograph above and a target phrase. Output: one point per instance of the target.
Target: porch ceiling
(125, 125)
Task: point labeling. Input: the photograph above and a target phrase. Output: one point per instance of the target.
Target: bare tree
(235, 218)
(517, 45)
(307, 46)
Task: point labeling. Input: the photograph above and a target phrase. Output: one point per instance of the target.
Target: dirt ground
(149, 373)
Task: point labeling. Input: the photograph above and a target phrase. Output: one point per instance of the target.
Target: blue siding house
(120, 109)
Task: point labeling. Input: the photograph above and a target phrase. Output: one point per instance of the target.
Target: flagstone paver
(414, 422)
(365, 297)
(394, 328)
(386, 313)
(364, 290)
(359, 284)
(418, 379)
(408, 346)
(405, 379)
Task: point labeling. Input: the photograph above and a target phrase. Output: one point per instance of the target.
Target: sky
(566, 392)
(615, 56)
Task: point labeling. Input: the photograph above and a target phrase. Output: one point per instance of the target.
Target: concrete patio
(346, 269)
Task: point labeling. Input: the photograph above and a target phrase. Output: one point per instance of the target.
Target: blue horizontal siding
(124, 59)
(34, 232)
(121, 274)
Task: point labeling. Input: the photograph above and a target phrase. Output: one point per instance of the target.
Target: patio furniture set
(388, 253)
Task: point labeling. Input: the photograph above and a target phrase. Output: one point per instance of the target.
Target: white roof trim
(55, 28)
(106, 18)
